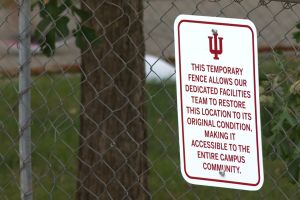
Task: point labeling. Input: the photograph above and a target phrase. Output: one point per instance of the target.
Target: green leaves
(54, 30)
(280, 111)
(54, 26)
(296, 35)
(62, 26)
(84, 15)
(293, 169)
(48, 45)
(85, 37)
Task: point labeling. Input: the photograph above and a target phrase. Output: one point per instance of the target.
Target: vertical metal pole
(24, 101)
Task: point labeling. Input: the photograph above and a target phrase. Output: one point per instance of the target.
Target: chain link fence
(88, 98)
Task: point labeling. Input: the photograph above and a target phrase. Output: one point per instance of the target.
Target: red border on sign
(182, 121)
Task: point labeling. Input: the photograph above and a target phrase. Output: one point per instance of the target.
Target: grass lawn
(55, 132)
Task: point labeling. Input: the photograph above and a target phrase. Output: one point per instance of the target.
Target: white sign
(218, 102)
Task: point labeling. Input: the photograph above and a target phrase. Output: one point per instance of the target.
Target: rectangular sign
(218, 102)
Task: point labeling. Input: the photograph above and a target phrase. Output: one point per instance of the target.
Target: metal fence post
(24, 101)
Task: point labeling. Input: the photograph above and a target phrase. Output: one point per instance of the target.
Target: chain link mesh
(56, 102)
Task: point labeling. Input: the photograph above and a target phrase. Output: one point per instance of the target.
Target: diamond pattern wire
(58, 111)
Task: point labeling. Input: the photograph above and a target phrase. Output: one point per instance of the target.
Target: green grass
(55, 133)
(55, 125)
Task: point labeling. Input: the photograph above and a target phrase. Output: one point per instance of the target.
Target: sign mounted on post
(218, 102)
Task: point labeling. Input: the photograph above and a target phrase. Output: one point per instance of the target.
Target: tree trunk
(112, 152)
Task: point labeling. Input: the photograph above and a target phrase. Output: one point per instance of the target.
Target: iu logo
(215, 49)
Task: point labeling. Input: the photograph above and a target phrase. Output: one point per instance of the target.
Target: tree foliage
(296, 34)
(280, 106)
(54, 25)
